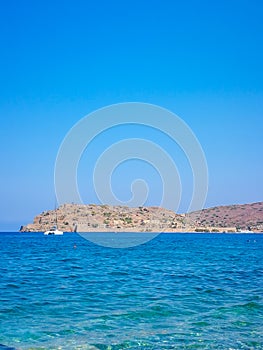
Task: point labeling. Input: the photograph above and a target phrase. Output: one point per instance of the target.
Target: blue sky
(61, 60)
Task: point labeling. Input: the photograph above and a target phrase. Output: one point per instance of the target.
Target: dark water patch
(12, 285)
(251, 307)
(201, 324)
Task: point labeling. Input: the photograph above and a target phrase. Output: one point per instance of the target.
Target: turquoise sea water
(178, 291)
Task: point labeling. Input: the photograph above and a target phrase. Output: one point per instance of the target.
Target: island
(102, 218)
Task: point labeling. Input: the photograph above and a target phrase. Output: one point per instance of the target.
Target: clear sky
(61, 60)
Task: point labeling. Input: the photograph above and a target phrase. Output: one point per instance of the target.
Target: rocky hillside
(243, 217)
(86, 218)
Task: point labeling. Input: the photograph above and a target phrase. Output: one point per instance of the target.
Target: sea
(176, 291)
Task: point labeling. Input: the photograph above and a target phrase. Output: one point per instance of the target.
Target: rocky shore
(91, 217)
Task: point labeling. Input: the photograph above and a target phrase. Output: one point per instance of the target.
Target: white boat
(53, 231)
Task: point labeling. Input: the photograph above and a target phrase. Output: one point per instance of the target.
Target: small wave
(4, 347)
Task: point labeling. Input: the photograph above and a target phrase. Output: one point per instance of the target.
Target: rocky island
(91, 217)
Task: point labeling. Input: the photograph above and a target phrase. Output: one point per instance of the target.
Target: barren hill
(241, 216)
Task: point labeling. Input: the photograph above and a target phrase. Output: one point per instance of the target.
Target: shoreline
(147, 232)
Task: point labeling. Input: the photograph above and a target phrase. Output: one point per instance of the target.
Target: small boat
(53, 231)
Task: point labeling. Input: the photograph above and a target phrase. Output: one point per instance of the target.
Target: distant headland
(92, 218)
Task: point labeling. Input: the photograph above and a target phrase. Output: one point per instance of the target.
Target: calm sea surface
(178, 291)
